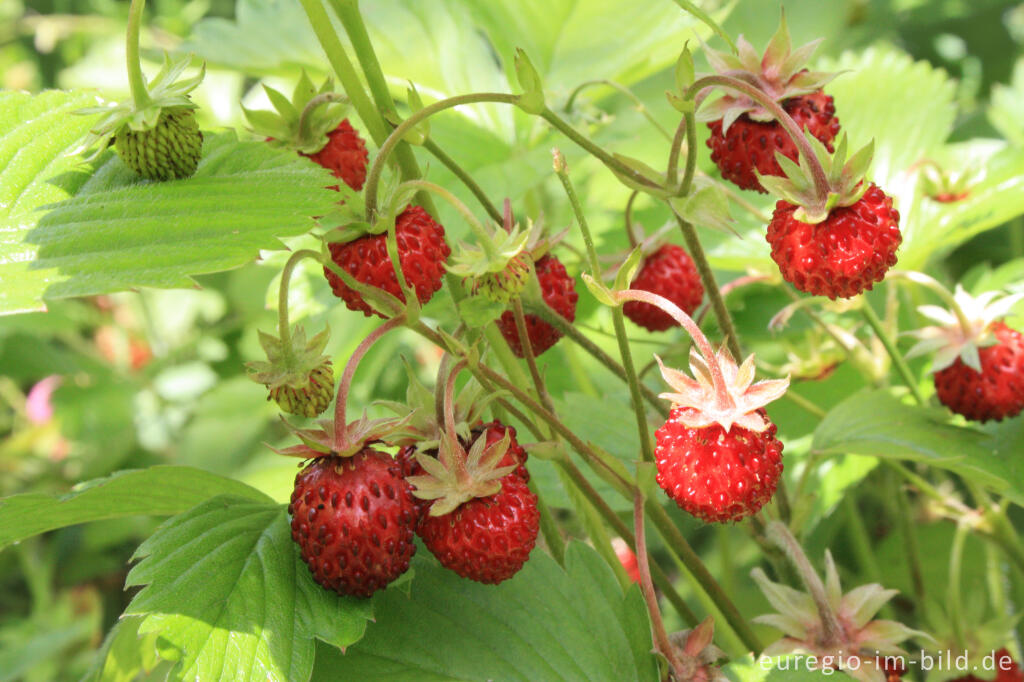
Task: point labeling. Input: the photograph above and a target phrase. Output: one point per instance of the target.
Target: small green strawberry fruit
(168, 151)
(300, 379)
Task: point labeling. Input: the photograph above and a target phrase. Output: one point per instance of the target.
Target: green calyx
(421, 425)
(499, 270)
(780, 73)
(456, 476)
(845, 183)
(156, 135)
(299, 376)
(303, 122)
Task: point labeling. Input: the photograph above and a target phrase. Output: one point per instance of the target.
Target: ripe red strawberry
(422, 252)
(559, 292)
(487, 539)
(714, 474)
(1006, 670)
(344, 155)
(750, 145)
(352, 518)
(843, 254)
(668, 272)
(994, 393)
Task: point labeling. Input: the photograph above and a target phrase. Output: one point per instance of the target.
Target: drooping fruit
(559, 292)
(353, 519)
(717, 455)
(844, 254)
(300, 379)
(344, 155)
(422, 252)
(745, 137)
(486, 539)
(668, 272)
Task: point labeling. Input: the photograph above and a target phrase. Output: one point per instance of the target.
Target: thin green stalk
(702, 576)
(283, 328)
(637, 103)
(909, 531)
(890, 347)
(343, 69)
(707, 277)
(696, 11)
(352, 21)
(465, 177)
(956, 609)
(685, 131)
(136, 81)
(531, 360)
(396, 137)
(860, 541)
(804, 404)
(604, 157)
(573, 333)
(483, 236)
(549, 528)
(643, 429)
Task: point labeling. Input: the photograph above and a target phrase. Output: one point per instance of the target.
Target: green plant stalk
(283, 328)
(909, 532)
(860, 541)
(805, 404)
(475, 225)
(890, 348)
(687, 130)
(352, 21)
(343, 69)
(643, 429)
(580, 482)
(696, 11)
(637, 103)
(956, 609)
(994, 578)
(549, 528)
(702, 577)
(531, 360)
(559, 124)
(465, 177)
(396, 137)
(136, 81)
(569, 330)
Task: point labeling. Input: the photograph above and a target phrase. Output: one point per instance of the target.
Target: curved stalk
(350, 369)
(637, 103)
(942, 292)
(685, 131)
(818, 175)
(479, 230)
(283, 328)
(890, 348)
(531, 360)
(628, 215)
(780, 535)
(465, 177)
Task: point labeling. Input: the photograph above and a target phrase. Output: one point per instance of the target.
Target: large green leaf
(546, 623)
(113, 231)
(225, 587)
(878, 424)
(158, 491)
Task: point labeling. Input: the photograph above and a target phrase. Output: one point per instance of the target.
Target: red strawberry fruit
(352, 518)
(842, 255)
(717, 456)
(668, 272)
(979, 361)
(344, 155)
(559, 292)
(486, 539)
(422, 252)
(483, 519)
(744, 135)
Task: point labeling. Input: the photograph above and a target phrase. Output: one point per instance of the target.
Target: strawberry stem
(631, 228)
(632, 380)
(483, 236)
(464, 176)
(350, 369)
(818, 175)
(890, 347)
(637, 102)
(531, 360)
(305, 134)
(687, 323)
(779, 533)
(942, 292)
(956, 608)
(283, 328)
(685, 131)
(661, 641)
(136, 81)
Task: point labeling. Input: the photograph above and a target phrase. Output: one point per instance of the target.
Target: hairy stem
(350, 369)
(136, 81)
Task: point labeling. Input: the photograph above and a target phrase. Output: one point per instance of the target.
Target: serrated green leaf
(224, 586)
(479, 311)
(546, 623)
(876, 423)
(113, 231)
(707, 206)
(156, 491)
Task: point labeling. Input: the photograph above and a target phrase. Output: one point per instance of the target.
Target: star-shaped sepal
(456, 476)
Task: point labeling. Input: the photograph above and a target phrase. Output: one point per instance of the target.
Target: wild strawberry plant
(489, 473)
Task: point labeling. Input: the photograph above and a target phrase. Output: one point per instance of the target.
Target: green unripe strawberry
(168, 151)
(298, 376)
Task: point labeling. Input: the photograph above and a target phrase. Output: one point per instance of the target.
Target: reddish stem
(350, 370)
(687, 323)
(661, 640)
